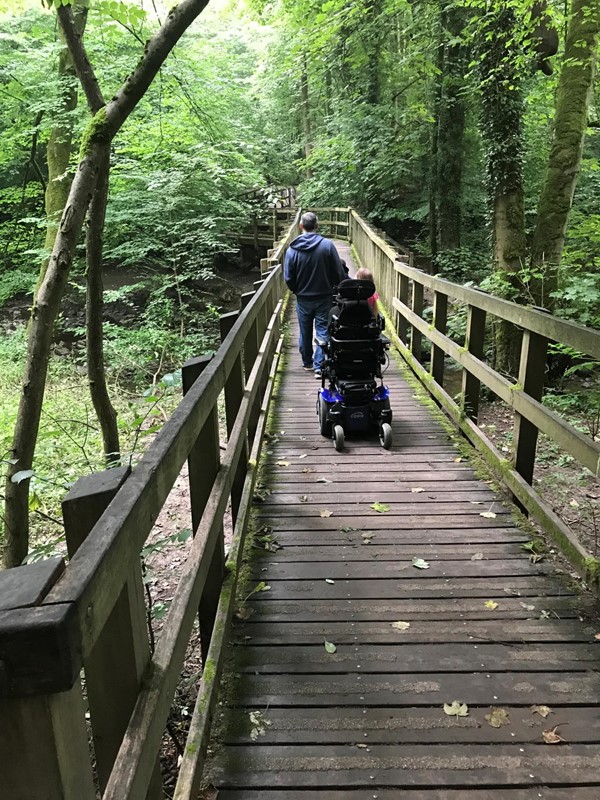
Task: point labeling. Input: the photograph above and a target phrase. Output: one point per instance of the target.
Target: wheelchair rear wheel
(385, 435)
(324, 424)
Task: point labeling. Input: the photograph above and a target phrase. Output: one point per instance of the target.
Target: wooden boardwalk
(487, 627)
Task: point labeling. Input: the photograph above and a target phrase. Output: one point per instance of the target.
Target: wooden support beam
(234, 393)
(474, 343)
(416, 338)
(122, 648)
(403, 297)
(204, 462)
(440, 322)
(532, 371)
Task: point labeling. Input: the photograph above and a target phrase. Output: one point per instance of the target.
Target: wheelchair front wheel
(385, 435)
(338, 437)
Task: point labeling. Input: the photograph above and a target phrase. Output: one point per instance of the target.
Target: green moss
(95, 132)
(592, 570)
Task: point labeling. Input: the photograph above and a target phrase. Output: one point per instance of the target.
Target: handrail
(401, 287)
(92, 612)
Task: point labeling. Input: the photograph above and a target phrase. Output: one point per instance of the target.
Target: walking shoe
(318, 374)
(307, 368)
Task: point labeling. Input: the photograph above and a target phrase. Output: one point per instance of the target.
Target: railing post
(532, 370)
(251, 347)
(204, 461)
(474, 343)
(234, 393)
(416, 336)
(440, 322)
(122, 648)
(44, 749)
(403, 287)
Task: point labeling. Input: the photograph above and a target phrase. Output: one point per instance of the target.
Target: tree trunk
(58, 150)
(451, 133)
(305, 113)
(105, 412)
(435, 169)
(99, 133)
(502, 131)
(574, 93)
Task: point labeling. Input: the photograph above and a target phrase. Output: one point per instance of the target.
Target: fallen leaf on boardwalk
(535, 558)
(417, 490)
(420, 563)
(330, 647)
(488, 514)
(325, 513)
(347, 529)
(543, 711)
(304, 498)
(303, 455)
(476, 502)
(497, 717)
(401, 626)
(244, 613)
(492, 604)
(323, 480)
(477, 557)
(597, 636)
(328, 580)
(457, 460)
(361, 745)
(514, 592)
(527, 606)
(552, 737)
(456, 709)
(260, 587)
(259, 725)
(381, 508)
(282, 463)
(575, 504)
(544, 614)
(308, 469)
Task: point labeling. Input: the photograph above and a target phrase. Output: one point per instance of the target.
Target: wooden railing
(402, 288)
(61, 622)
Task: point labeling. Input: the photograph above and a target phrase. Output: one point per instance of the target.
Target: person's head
(309, 222)
(364, 274)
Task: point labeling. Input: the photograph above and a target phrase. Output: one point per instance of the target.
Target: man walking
(311, 270)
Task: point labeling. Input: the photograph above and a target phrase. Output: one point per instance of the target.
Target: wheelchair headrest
(352, 289)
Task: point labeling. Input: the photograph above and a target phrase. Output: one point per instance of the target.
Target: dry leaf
(400, 626)
(361, 745)
(308, 469)
(552, 737)
(325, 513)
(417, 490)
(323, 480)
(497, 717)
(456, 709)
(420, 563)
(492, 604)
(282, 463)
(527, 606)
(328, 580)
(244, 612)
(543, 711)
(304, 498)
(597, 636)
(488, 514)
(477, 557)
(457, 460)
(303, 455)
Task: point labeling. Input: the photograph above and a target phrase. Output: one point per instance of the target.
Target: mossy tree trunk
(305, 114)
(104, 126)
(574, 93)
(58, 150)
(107, 416)
(451, 131)
(502, 132)
(434, 155)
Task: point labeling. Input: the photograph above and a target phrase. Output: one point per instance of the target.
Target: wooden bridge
(397, 640)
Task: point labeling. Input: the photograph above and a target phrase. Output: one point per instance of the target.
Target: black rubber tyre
(385, 435)
(338, 437)
(324, 425)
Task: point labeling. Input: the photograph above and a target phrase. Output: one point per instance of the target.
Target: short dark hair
(309, 221)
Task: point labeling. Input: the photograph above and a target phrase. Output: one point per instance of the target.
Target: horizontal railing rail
(90, 613)
(402, 289)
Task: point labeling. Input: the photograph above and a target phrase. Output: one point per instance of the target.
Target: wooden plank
(591, 792)
(385, 521)
(26, 586)
(370, 549)
(427, 631)
(413, 690)
(481, 495)
(411, 725)
(426, 659)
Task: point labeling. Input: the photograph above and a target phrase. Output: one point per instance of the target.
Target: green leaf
(330, 647)
(420, 563)
(381, 508)
(456, 709)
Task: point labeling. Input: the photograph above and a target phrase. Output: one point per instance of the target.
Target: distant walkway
(482, 625)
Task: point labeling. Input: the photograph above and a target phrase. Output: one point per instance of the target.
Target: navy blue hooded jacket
(312, 266)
